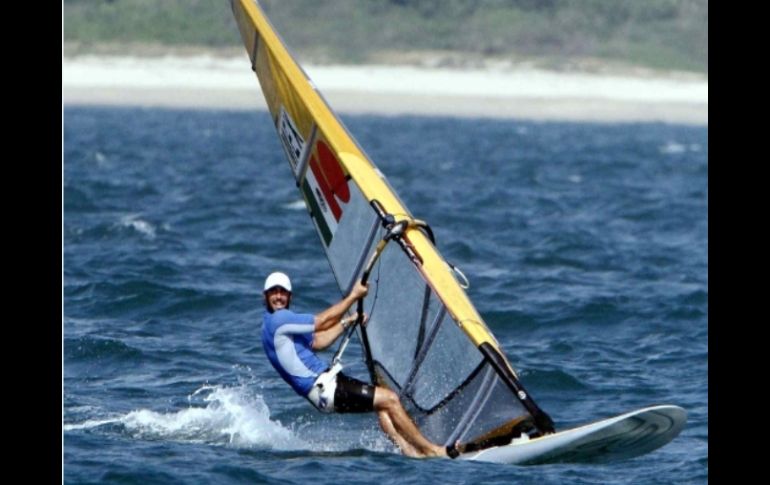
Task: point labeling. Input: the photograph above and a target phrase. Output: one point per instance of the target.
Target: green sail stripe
(315, 212)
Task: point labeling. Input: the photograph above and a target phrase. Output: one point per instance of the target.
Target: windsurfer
(290, 341)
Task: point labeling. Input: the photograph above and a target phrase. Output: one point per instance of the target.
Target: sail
(424, 338)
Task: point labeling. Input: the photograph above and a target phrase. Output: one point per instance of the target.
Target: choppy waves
(586, 248)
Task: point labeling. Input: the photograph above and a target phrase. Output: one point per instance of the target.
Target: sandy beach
(506, 92)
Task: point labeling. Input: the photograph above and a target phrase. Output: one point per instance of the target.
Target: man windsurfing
(291, 340)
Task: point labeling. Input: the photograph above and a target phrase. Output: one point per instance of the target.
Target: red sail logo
(330, 177)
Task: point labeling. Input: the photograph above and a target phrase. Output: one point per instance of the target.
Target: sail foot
(542, 420)
(503, 435)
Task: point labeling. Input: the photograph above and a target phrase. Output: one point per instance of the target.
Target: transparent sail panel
(452, 357)
(401, 309)
(492, 409)
(418, 350)
(356, 231)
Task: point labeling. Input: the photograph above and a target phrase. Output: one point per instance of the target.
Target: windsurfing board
(612, 439)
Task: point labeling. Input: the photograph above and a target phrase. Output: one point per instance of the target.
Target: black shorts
(353, 396)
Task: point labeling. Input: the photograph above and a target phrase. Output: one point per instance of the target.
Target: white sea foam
(139, 225)
(101, 159)
(91, 423)
(672, 148)
(230, 416)
(295, 206)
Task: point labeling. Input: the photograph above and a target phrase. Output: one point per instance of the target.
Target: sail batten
(424, 338)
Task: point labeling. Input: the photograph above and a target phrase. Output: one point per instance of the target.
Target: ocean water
(586, 246)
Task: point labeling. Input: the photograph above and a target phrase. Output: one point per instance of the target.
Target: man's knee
(385, 399)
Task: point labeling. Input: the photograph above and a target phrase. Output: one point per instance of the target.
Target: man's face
(278, 298)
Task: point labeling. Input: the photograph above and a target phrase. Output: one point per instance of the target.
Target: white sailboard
(619, 438)
(424, 338)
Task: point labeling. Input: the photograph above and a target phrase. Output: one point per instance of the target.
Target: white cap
(278, 279)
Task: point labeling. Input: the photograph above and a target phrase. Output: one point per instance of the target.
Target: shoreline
(207, 82)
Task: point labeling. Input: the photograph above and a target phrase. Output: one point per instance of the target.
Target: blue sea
(586, 248)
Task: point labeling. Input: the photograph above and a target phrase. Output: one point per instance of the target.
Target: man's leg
(387, 426)
(399, 426)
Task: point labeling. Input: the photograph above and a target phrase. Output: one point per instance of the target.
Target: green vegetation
(660, 34)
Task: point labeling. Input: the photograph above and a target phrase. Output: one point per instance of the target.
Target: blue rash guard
(287, 338)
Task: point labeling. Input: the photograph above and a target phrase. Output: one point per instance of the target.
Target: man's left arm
(330, 317)
(324, 338)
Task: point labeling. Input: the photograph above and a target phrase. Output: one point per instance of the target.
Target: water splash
(228, 416)
(91, 423)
